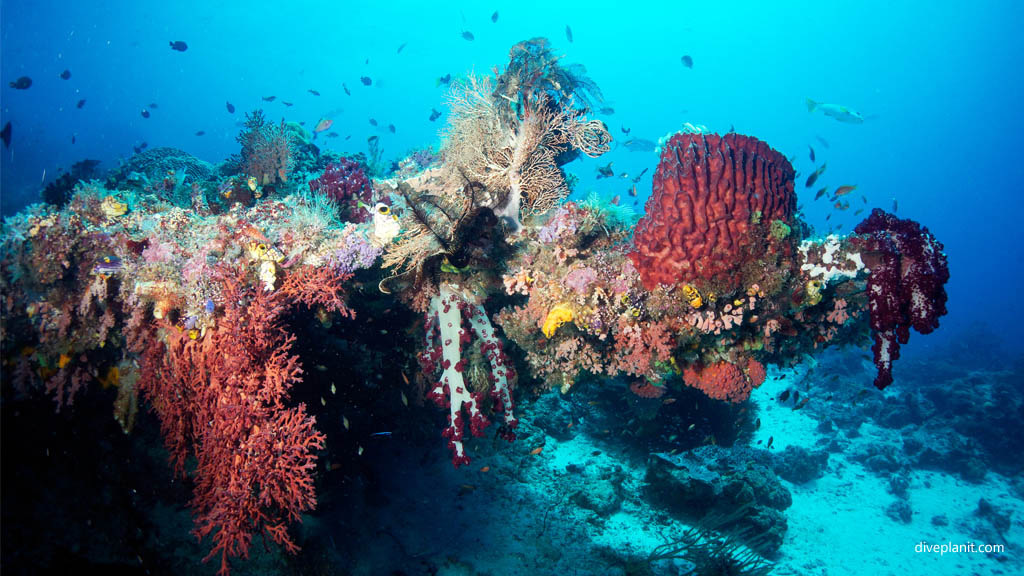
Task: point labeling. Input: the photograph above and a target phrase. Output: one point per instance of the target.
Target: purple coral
(357, 253)
(563, 222)
(345, 182)
(580, 278)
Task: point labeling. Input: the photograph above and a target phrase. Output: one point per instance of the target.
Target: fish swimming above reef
(345, 88)
(687, 61)
(65, 75)
(814, 176)
(80, 104)
(289, 104)
(373, 122)
(391, 128)
(812, 153)
(322, 125)
(366, 80)
(200, 133)
(5, 135)
(231, 107)
(467, 35)
(145, 113)
(434, 114)
(400, 48)
(269, 98)
(568, 33)
(179, 46)
(313, 92)
(840, 113)
(22, 83)
(494, 17)
(607, 110)
(640, 145)
(443, 80)
(605, 171)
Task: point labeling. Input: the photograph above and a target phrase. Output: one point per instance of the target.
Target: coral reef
(179, 281)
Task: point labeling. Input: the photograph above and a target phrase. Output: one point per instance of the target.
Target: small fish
(200, 133)
(153, 105)
(360, 451)
(372, 140)
(405, 400)
(796, 395)
(840, 113)
(344, 421)
(230, 106)
(405, 379)
(607, 110)
(66, 74)
(639, 176)
(687, 61)
(323, 124)
(770, 440)
(640, 145)
(5, 135)
(443, 80)
(288, 104)
(840, 205)
(345, 88)
(313, 92)
(784, 396)
(269, 98)
(494, 17)
(73, 138)
(22, 83)
(667, 401)
(812, 153)
(366, 80)
(757, 424)
(616, 199)
(178, 45)
(691, 427)
(858, 211)
(537, 450)
(80, 104)
(322, 401)
(822, 141)
(625, 130)
(485, 469)
(828, 216)
(568, 33)
(381, 434)
(401, 47)
(373, 121)
(434, 114)
(814, 176)
(467, 35)
(391, 128)
(844, 190)
(605, 171)
(145, 113)
(802, 404)
(821, 192)
(332, 134)
(863, 198)
(895, 206)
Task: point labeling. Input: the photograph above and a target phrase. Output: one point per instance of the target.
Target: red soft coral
(721, 381)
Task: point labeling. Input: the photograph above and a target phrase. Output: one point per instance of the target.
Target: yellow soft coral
(556, 317)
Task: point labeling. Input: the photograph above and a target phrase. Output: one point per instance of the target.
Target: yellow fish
(253, 183)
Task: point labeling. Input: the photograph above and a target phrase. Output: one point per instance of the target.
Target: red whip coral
(906, 287)
(222, 397)
(345, 182)
(713, 201)
(724, 380)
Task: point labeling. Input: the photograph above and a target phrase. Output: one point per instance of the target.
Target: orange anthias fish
(323, 124)
(843, 190)
(536, 450)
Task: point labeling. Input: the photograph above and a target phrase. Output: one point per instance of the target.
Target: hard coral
(709, 211)
(906, 287)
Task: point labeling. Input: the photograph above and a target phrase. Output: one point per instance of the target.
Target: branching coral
(266, 150)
